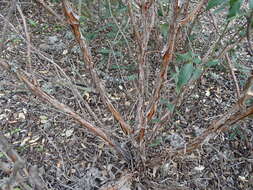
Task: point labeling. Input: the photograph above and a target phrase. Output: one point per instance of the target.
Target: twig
(133, 21)
(174, 28)
(148, 19)
(193, 14)
(11, 10)
(221, 125)
(152, 107)
(249, 22)
(229, 47)
(119, 28)
(20, 74)
(177, 102)
(29, 65)
(231, 67)
(50, 10)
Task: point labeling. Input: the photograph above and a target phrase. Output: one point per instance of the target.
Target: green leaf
(160, 12)
(164, 101)
(164, 29)
(251, 4)
(16, 130)
(214, 3)
(197, 73)
(184, 76)
(32, 23)
(106, 51)
(220, 9)
(91, 36)
(1, 155)
(111, 35)
(234, 7)
(196, 60)
(132, 77)
(155, 120)
(170, 107)
(214, 76)
(212, 63)
(156, 142)
(185, 57)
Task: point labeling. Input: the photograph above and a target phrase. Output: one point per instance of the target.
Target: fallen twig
(18, 171)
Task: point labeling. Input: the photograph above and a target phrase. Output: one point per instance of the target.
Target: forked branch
(55, 103)
(152, 107)
(175, 26)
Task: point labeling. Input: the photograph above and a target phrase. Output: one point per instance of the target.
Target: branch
(231, 67)
(70, 84)
(73, 20)
(167, 58)
(132, 18)
(29, 65)
(232, 71)
(193, 14)
(147, 23)
(223, 124)
(11, 10)
(249, 32)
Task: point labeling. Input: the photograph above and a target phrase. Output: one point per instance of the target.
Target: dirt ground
(69, 157)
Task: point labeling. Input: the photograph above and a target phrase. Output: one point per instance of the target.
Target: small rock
(21, 116)
(175, 140)
(52, 40)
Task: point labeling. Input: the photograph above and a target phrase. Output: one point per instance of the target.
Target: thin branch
(133, 21)
(221, 125)
(167, 58)
(50, 10)
(148, 20)
(178, 101)
(193, 14)
(73, 87)
(229, 47)
(249, 21)
(232, 71)
(3, 38)
(119, 28)
(231, 67)
(29, 65)
(224, 123)
(73, 20)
